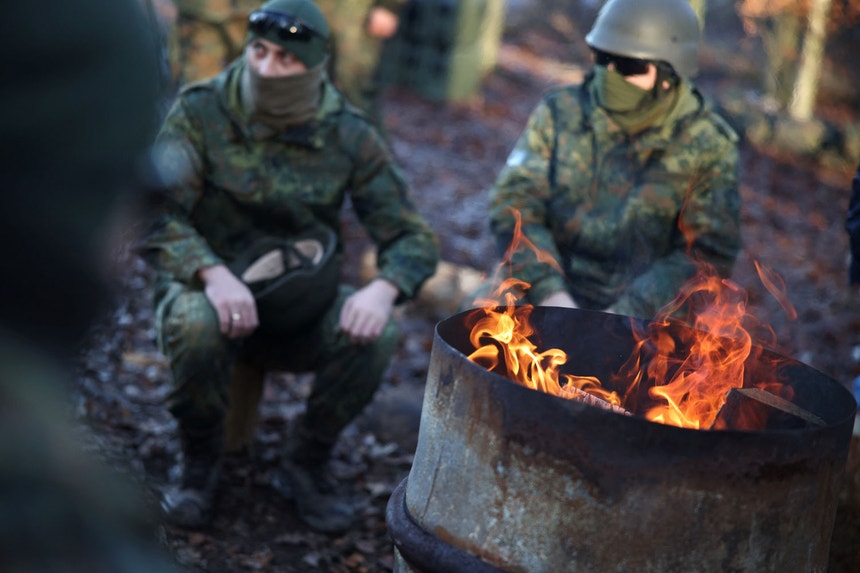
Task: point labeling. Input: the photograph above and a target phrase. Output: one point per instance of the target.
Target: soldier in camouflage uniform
(270, 148)
(79, 67)
(627, 181)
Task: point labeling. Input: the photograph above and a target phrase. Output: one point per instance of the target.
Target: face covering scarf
(282, 102)
(632, 107)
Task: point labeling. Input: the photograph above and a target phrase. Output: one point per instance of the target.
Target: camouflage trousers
(203, 362)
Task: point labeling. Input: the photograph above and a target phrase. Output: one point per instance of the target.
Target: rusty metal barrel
(509, 479)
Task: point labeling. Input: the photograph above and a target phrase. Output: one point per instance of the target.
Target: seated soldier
(628, 181)
(247, 247)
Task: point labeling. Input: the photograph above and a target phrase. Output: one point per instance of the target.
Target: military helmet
(294, 280)
(660, 30)
(298, 26)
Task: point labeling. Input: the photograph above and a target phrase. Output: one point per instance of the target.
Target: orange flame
(690, 371)
(503, 339)
(676, 376)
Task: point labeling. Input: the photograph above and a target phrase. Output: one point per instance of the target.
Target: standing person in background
(359, 29)
(852, 227)
(78, 111)
(247, 250)
(204, 36)
(628, 181)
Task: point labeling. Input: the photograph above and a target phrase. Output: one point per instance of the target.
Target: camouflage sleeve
(709, 227)
(407, 248)
(171, 244)
(523, 186)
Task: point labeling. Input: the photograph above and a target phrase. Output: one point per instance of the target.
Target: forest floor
(793, 215)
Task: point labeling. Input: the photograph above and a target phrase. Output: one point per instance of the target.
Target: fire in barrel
(570, 440)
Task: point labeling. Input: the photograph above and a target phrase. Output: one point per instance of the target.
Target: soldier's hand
(232, 300)
(365, 313)
(381, 23)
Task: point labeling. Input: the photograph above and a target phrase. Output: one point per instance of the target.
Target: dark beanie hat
(311, 52)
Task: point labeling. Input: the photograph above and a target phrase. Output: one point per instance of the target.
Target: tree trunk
(811, 57)
(700, 6)
(779, 36)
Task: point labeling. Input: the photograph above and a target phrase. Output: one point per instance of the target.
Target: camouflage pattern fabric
(618, 213)
(207, 35)
(242, 181)
(203, 361)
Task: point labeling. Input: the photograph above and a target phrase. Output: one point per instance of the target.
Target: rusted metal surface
(418, 551)
(531, 482)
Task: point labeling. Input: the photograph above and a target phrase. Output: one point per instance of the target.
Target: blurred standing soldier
(269, 150)
(359, 29)
(852, 226)
(206, 36)
(77, 112)
(628, 180)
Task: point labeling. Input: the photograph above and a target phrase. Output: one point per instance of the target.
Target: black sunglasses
(623, 65)
(288, 28)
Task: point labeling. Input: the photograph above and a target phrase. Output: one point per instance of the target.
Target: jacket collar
(690, 105)
(313, 134)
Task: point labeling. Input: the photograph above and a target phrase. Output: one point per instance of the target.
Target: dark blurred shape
(78, 108)
(77, 112)
(852, 226)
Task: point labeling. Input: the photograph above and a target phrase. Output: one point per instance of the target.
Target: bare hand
(365, 313)
(560, 298)
(232, 300)
(382, 23)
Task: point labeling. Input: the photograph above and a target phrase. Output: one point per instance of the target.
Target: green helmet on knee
(660, 30)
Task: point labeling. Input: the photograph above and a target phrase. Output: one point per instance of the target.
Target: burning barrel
(506, 478)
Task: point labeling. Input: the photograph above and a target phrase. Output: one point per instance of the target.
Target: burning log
(754, 408)
(573, 393)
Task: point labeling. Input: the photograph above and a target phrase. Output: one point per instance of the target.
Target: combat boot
(189, 504)
(304, 478)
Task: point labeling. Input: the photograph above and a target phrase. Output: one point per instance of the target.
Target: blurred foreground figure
(627, 181)
(852, 226)
(77, 112)
(248, 250)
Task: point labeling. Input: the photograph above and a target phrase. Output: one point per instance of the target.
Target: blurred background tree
(794, 36)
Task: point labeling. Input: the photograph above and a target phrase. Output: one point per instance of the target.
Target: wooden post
(244, 396)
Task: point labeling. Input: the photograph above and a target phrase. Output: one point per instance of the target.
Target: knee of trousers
(375, 355)
(188, 327)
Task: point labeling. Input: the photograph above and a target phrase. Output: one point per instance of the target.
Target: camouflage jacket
(625, 217)
(238, 181)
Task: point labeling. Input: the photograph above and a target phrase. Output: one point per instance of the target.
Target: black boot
(189, 504)
(305, 479)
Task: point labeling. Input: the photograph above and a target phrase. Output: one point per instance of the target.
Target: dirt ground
(793, 215)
